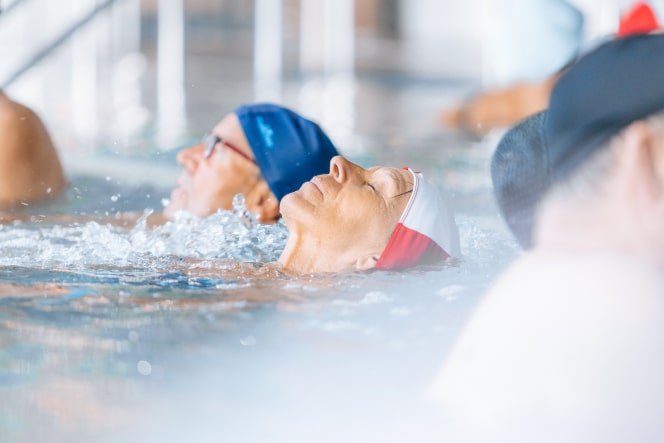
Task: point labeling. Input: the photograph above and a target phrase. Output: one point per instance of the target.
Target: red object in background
(639, 20)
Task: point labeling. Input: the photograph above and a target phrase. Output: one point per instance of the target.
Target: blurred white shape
(450, 292)
(171, 124)
(84, 77)
(127, 27)
(528, 40)
(130, 116)
(144, 367)
(327, 57)
(375, 297)
(562, 348)
(327, 37)
(339, 41)
(268, 50)
(441, 38)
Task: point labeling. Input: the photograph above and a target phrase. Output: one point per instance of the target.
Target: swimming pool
(182, 334)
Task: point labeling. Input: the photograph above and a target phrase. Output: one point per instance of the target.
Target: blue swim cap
(289, 149)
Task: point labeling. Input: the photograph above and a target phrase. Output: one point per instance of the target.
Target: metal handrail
(44, 52)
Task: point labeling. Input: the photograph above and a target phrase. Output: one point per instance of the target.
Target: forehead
(231, 131)
(228, 126)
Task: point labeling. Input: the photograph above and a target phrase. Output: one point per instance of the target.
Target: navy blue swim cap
(521, 175)
(612, 86)
(603, 92)
(289, 149)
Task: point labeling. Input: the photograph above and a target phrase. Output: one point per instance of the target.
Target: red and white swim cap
(426, 232)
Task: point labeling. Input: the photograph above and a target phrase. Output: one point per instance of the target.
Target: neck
(597, 228)
(305, 254)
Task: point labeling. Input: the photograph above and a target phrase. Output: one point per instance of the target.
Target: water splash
(234, 235)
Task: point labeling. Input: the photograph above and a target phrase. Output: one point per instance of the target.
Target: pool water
(188, 333)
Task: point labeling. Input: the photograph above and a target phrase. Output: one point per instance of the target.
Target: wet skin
(343, 220)
(208, 184)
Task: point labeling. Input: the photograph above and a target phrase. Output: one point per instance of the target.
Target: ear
(644, 157)
(366, 262)
(261, 201)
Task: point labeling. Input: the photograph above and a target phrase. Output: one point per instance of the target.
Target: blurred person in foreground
(261, 151)
(358, 219)
(30, 170)
(503, 107)
(568, 345)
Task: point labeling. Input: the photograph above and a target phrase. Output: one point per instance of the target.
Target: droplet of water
(401, 311)
(375, 297)
(144, 367)
(249, 340)
(451, 292)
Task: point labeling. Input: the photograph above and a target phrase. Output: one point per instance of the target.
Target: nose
(343, 170)
(190, 157)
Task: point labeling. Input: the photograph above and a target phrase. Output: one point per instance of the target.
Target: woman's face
(351, 211)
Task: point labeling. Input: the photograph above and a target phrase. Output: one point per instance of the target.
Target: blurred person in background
(261, 151)
(533, 44)
(568, 345)
(519, 190)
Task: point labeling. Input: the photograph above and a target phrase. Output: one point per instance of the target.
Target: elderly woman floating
(357, 219)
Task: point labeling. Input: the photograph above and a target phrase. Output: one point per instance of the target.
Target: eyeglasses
(211, 141)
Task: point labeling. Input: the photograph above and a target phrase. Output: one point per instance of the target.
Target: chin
(288, 202)
(297, 211)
